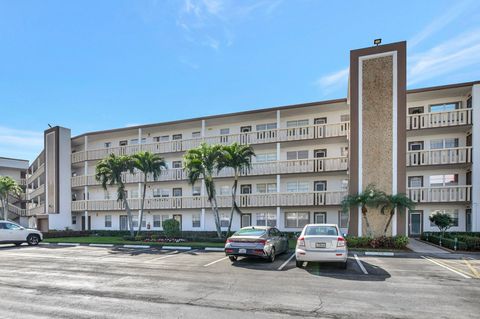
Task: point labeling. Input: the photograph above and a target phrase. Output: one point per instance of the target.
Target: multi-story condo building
(308, 157)
(16, 169)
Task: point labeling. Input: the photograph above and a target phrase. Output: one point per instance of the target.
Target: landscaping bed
(469, 241)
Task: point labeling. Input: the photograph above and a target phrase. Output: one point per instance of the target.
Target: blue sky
(93, 65)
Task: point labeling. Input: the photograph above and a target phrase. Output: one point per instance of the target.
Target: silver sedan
(256, 241)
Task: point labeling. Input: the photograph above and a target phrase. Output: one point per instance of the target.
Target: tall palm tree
(392, 202)
(147, 163)
(237, 157)
(201, 162)
(8, 186)
(109, 172)
(370, 197)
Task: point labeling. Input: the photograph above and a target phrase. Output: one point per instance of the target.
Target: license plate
(242, 251)
(320, 245)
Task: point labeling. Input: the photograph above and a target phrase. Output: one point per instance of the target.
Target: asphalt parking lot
(96, 282)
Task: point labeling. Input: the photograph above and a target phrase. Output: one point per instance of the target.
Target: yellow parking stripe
(473, 270)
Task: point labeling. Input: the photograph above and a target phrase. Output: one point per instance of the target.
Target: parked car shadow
(147, 251)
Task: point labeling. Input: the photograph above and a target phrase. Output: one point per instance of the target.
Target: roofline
(15, 159)
(275, 108)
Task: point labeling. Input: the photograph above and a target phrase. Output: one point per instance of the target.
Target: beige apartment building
(16, 169)
(308, 157)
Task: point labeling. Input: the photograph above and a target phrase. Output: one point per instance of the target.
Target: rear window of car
(321, 230)
(250, 232)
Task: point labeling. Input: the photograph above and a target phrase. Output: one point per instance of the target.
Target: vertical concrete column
(278, 175)
(86, 221)
(202, 132)
(139, 183)
(378, 131)
(476, 158)
(202, 219)
(85, 172)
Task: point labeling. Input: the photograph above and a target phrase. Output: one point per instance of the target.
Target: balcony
(457, 155)
(12, 209)
(259, 137)
(440, 194)
(313, 165)
(36, 192)
(250, 200)
(38, 210)
(439, 119)
(40, 170)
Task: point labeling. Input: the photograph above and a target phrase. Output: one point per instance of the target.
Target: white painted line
(101, 245)
(446, 267)
(359, 262)
(216, 261)
(177, 247)
(170, 254)
(286, 262)
(68, 244)
(136, 246)
(379, 253)
(214, 249)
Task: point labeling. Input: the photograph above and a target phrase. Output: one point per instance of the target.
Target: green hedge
(465, 240)
(396, 242)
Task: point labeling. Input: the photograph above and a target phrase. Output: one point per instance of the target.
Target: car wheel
(33, 240)
(233, 258)
(271, 258)
(299, 263)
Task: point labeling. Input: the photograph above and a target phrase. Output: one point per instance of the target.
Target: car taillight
(261, 241)
(229, 240)
(341, 242)
(301, 241)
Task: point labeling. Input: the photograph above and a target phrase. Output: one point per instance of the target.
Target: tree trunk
(392, 212)
(234, 201)
(129, 214)
(367, 223)
(213, 204)
(142, 206)
(5, 208)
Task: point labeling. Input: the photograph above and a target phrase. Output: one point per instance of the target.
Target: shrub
(154, 237)
(129, 238)
(397, 242)
(400, 242)
(171, 228)
(139, 238)
(442, 220)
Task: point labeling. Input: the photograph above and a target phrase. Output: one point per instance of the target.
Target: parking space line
(359, 262)
(216, 261)
(169, 254)
(446, 267)
(286, 262)
(473, 270)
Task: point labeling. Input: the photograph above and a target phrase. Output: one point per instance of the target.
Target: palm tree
(370, 197)
(109, 172)
(8, 186)
(237, 157)
(147, 163)
(201, 162)
(392, 202)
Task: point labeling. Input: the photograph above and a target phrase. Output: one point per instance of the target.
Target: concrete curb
(380, 253)
(136, 246)
(214, 249)
(101, 245)
(68, 244)
(177, 247)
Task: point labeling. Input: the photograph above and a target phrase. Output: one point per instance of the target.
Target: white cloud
(454, 54)
(17, 143)
(333, 81)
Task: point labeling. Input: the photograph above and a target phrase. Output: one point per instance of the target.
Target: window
(344, 117)
(469, 103)
(161, 192)
(452, 213)
(176, 164)
(123, 143)
(321, 231)
(224, 131)
(196, 191)
(444, 180)
(415, 110)
(267, 126)
(296, 219)
(319, 186)
(297, 123)
(343, 219)
(294, 155)
(415, 146)
(445, 107)
(196, 220)
(135, 221)
(320, 120)
(415, 181)
(344, 151)
(225, 190)
(164, 138)
(107, 144)
(320, 218)
(267, 188)
(74, 219)
(444, 143)
(135, 141)
(176, 137)
(157, 221)
(11, 226)
(134, 193)
(266, 157)
(177, 192)
(297, 187)
(267, 219)
(108, 220)
(196, 134)
(224, 220)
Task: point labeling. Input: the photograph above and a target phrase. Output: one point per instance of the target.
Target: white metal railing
(40, 170)
(15, 210)
(312, 165)
(440, 194)
(37, 210)
(258, 137)
(36, 192)
(439, 119)
(456, 155)
(244, 200)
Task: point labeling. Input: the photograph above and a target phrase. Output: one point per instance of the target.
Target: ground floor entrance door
(89, 223)
(415, 223)
(179, 219)
(246, 220)
(123, 222)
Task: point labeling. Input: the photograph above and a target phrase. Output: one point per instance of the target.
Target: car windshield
(250, 232)
(321, 230)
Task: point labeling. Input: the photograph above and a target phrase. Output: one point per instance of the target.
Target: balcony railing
(440, 194)
(37, 210)
(439, 119)
(313, 165)
(36, 192)
(40, 170)
(250, 200)
(15, 210)
(457, 155)
(259, 137)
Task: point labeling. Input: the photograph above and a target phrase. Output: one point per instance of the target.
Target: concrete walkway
(421, 247)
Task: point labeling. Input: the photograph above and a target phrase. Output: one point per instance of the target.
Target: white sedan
(11, 233)
(321, 243)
